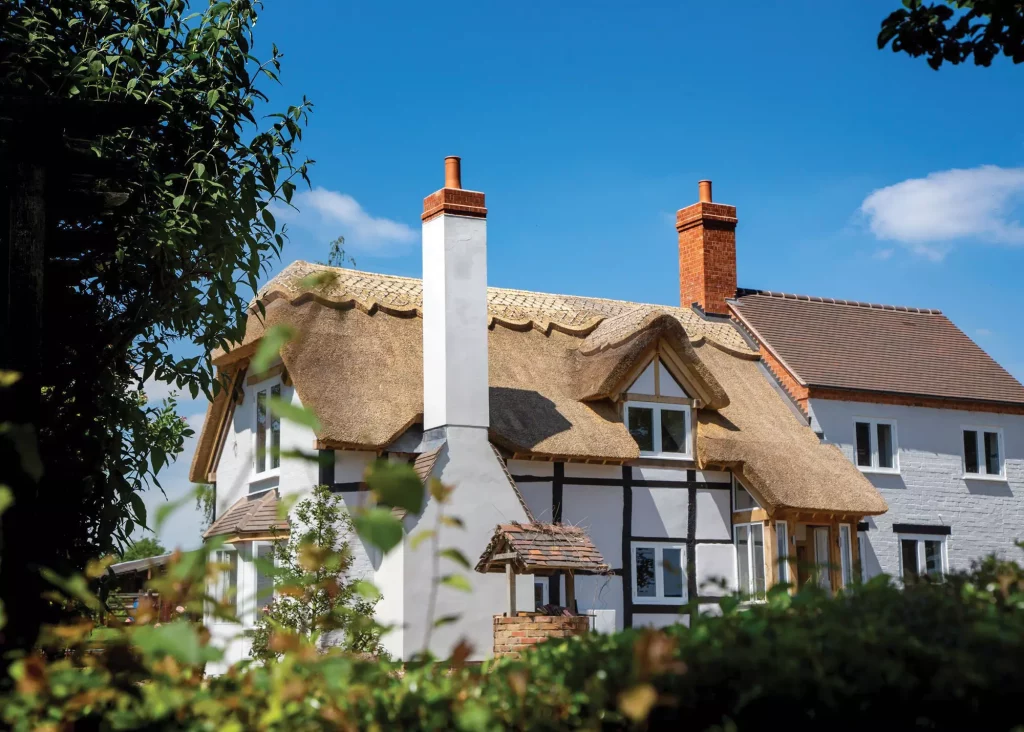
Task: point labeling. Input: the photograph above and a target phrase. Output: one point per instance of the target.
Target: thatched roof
(542, 549)
(250, 516)
(556, 365)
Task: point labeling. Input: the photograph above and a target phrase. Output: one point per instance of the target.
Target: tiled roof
(250, 515)
(542, 549)
(882, 348)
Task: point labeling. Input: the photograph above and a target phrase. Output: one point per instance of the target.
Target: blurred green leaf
(293, 413)
(379, 528)
(396, 484)
(270, 346)
(457, 581)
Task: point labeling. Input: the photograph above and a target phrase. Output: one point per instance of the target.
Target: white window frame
(873, 423)
(749, 593)
(862, 541)
(737, 484)
(218, 590)
(781, 559)
(545, 583)
(657, 408)
(264, 386)
(659, 569)
(255, 548)
(919, 551)
(845, 559)
(983, 473)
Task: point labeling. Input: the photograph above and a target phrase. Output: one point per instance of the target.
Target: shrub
(933, 656)
(315, 595)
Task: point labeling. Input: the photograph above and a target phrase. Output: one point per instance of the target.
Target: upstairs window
(660, 430)
(875, 446)
(741, 498)
(268, 432)
(983, 452)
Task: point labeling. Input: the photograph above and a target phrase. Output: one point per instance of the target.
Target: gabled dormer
(659, 413)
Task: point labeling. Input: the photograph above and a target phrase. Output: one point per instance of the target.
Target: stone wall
(512, 636)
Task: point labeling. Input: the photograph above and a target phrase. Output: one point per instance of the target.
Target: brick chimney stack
(707, 253)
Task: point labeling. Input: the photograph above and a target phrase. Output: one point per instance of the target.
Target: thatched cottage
(661, 431)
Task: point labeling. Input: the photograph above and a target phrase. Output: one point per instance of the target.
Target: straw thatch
(542, 549)
(554, 361)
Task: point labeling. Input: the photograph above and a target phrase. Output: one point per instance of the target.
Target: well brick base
(512, 636)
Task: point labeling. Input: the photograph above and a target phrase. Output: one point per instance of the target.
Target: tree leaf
(396, 484)
(178, 639)
(457, 582)
(366, 589)
(293, 413)
(456, 556)
(421, 536)
(636, 703)
(270, 346)
(378, 527)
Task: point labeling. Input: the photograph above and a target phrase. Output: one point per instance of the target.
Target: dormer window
(658, 414)
(660, 430)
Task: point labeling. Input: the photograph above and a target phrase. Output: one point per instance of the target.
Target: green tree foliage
(316, 599)
(177, 261)
(206, 504)
(147, 546)
(956, 30)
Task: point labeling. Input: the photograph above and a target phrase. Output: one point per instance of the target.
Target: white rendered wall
(984, 516)
(483, 498)
(455, 368)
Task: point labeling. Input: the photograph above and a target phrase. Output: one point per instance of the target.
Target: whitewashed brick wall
(984, 516)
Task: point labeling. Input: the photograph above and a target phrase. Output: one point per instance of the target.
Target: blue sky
(856, 173)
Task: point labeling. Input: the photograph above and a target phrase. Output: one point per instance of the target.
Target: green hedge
(933, 656)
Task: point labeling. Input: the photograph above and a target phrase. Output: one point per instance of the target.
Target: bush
(938, 656)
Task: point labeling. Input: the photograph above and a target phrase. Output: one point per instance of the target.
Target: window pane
(742, 560)
(992, 466)
(673, 430)
(538, 592)
(641, 426)
(845, 555)
(933, 558)
(864, 444)
(757, 570)
(645, 586)
(261, 431)
(744, 501)
(970, 451)
(782, 549)
(862, 544)
(885, 452)
(264, 579)
(908, 549)
(672, 572)
(275, 432)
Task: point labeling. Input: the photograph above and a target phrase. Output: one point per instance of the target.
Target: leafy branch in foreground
(956, 30)
(177, 260)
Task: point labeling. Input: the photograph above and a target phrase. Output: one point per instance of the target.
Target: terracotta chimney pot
(453, 172)
(704, 189)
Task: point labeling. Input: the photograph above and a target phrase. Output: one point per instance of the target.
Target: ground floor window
(750, 569)
(540, 591)
(263, 566)
(862, 550)
(922, 556)
(659, 573)
(782, 550)
(225, 584)
(845, 555)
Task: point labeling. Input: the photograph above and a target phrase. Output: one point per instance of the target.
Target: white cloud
(884, 254)
(928, 214)
(330, 214)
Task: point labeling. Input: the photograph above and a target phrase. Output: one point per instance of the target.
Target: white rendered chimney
(455, 305)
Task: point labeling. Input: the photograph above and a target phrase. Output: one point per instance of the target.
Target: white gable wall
(984, 516)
